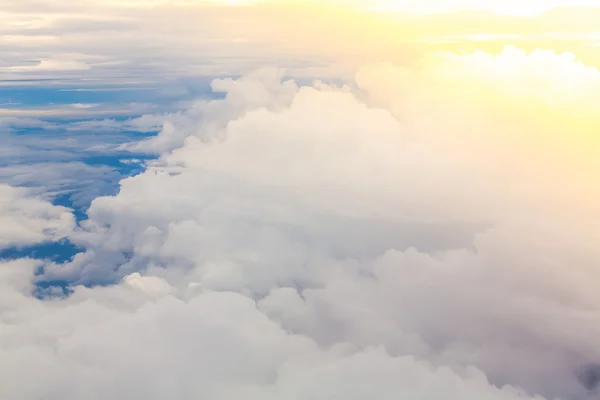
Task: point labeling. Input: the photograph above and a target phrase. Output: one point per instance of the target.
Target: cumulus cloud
(27, 220)
(262, 88)
(421, 232)
(124, 343)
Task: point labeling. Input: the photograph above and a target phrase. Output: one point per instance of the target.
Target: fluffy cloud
(421, 232)
(134, 342)
(27, 220)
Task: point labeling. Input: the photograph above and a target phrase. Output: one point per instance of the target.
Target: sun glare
(509, 7)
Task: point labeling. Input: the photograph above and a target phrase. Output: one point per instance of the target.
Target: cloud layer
(190, 38)
(421, 232)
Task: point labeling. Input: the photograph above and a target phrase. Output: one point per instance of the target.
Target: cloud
(84, 106)
(79, 181)
(420, 232)
(125, 342)
(69, 111)
(258, 89)
(94, 39)
(27, 220)
(58, 161)
(51, 65)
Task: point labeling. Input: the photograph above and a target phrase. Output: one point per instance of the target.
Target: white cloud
(118, 343)
(68, 111)
(81, 182)
(183, 38)
(27, 220)
(84, 106)
(50, 65)
(208, 117)
(398, 239)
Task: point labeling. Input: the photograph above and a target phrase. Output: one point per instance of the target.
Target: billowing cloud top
(424, 231)
(28, 220)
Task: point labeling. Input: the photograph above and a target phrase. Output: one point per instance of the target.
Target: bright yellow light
(507, 7)
(511, 7)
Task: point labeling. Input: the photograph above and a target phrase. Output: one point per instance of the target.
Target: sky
(293, 200)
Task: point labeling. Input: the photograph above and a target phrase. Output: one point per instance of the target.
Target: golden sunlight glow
(507, 7)
(510, 7)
